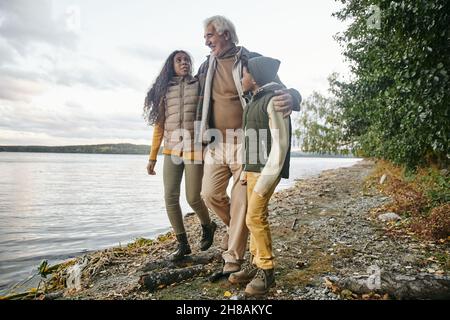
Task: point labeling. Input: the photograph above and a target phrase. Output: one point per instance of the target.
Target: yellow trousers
(258, 223)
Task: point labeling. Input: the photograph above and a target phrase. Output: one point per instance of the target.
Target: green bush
(396, 104)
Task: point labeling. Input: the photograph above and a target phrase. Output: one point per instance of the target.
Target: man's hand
(151, 167)
(283, 102)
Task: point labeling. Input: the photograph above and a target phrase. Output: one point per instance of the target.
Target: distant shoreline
(126, 148)
(119, 148)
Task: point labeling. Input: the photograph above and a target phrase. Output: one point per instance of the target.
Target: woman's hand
(243, 178)
(151, 167)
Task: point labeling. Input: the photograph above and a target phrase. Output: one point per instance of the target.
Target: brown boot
(244, 276)
(261, 283)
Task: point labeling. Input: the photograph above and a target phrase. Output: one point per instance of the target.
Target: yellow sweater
(158, 135)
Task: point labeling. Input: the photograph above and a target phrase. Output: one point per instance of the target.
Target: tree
(320, 128)
(396, 104)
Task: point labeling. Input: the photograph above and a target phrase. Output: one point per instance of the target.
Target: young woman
(170, 106)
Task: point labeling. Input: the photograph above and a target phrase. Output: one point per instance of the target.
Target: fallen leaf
(330, 285)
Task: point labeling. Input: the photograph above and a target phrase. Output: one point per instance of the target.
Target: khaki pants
(173, 169)
(258, 224)
(221, 163)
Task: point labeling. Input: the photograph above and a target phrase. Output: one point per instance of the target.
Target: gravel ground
(322, 231)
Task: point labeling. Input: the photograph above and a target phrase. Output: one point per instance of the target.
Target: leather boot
(246, 274)
(207, 235)
(261, 283)
(182, 249)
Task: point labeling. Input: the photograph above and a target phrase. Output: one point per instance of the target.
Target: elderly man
(219, 117)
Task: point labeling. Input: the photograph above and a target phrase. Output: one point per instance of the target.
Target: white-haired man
(219, 117)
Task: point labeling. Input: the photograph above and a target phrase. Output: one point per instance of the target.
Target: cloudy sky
(77, 71)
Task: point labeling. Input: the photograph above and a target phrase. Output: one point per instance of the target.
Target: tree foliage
(319, 126)
(396, 104)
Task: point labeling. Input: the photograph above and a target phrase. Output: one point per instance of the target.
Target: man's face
(247, 81)
(218, 43)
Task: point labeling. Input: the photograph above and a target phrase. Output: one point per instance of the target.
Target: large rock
(389, 216)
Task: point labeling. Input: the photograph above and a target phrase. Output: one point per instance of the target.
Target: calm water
(55, 206)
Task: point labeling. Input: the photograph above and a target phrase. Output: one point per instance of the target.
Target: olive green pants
(173, 169)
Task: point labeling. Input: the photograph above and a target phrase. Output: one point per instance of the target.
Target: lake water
(56, 206)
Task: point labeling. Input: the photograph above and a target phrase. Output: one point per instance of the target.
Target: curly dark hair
(155, 100)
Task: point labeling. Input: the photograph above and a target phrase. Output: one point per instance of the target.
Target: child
(170, 106)
(266, 131)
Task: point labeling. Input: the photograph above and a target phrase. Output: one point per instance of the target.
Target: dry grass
(318, 263)
(434, 226)
(423, 197)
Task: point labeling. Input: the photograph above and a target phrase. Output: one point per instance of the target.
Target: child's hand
(243, 178)
(151, 167)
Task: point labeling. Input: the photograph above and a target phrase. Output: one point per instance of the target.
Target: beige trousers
(223, 161)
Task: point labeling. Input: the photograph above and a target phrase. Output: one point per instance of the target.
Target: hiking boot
(224, 242)
(182, 249)
(244, 276)
(261, 283)
(207, 235)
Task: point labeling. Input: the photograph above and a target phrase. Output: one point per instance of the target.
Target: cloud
(17, 89)
(93, 73)
(73, 119)
(36, 46)
(69, 113)
(7, 54)
(25, 23)
(145, 53)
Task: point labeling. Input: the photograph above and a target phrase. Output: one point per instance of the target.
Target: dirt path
(322, 233)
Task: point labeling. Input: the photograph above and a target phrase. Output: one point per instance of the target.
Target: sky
(77, 71)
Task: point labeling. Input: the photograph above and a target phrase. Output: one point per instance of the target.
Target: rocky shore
(328, 240)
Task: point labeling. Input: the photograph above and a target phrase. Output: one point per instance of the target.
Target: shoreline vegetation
(366, 232)
(128, 148)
